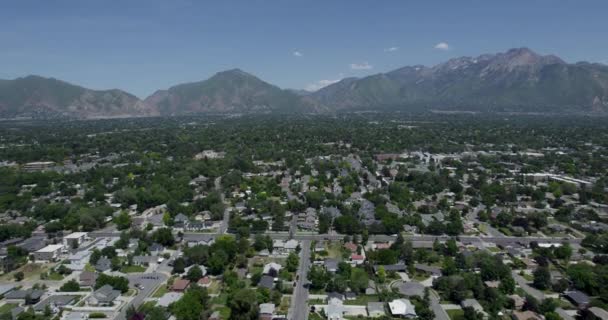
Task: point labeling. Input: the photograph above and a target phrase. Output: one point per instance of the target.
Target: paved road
(537, 294)
(298, 310)
(150, 283)
(466, 239)
(523, 283)
(226, 219)
(293, 226)
(440, 313)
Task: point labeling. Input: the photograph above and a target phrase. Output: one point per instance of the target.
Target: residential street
(440, 314)
(150, 283)
(298, 309)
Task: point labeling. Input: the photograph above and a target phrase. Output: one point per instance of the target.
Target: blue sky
(141, 46)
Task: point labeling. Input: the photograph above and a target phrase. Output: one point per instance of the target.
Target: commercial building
(74, 240)
(48, 253)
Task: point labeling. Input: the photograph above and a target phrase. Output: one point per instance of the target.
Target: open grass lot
(31, 271)
(335, 250)
(132, 269)
(456, 314)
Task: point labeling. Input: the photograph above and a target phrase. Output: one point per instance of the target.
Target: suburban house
(331, 265)
(375, 309)
(272, 269)
(356, 259)
(32, 295)
(103, 264)
(104, 296)
(266, 282)
(180, 285)
(579, 299)
(266, 311)
(402, 308)
(87, 278)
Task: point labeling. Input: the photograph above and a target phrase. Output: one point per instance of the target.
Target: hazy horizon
(141, 47)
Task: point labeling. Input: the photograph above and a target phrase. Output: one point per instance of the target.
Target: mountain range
(518, 80)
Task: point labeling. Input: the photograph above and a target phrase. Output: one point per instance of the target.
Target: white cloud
(391, 49)
(361, 66)
(442, 46)
(297, 54)
(320, 84)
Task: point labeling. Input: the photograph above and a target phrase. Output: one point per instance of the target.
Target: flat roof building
(49, 253)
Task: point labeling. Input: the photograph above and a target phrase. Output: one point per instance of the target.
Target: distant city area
(428, 216)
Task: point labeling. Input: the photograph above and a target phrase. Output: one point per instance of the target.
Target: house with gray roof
(103, 264)
(104, 296)
(55, 302)
(375, 309)
(32, 295)
(331, 265)
(266, 282)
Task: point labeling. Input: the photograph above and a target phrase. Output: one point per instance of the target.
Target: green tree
(179, 265)
(163, 236)
(542, 278)
(194, 273)
(243, 305)
(359, 280)
(292, 262)
(19, 276)
(122, 220)
(70, 286)
(381, 274)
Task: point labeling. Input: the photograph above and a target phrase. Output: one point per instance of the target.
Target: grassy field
(132, 269)
(31, 271)
(456, 314)
(334, 250)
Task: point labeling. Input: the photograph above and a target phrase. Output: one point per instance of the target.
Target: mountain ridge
(517, 80)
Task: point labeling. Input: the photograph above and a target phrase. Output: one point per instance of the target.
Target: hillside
(38, 97)
(232, 91)
(518, 80)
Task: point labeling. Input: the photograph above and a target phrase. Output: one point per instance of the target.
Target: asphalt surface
(149, 281)
(440, 314)
(466, 239)
(298, 309)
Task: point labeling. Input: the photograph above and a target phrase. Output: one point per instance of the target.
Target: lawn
(221, 299)
(314, 316)
(335, 250)
(224, 312)
(363, 300)
(284, 307)
(7, 307)
(55, 276)
(456, 314)
(160, 291)
(132, 269)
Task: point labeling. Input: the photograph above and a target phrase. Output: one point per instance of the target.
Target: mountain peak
(234, 72)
